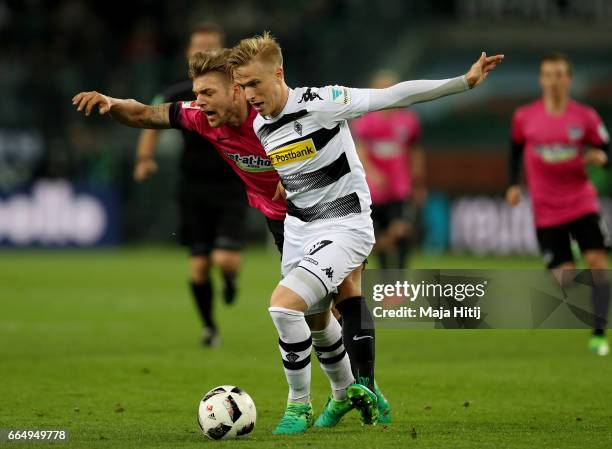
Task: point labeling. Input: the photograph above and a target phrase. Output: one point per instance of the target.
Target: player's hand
(87, 101)
(513, 195)
(144, 168)
(595, 157)
(481, 68)
(280, 193)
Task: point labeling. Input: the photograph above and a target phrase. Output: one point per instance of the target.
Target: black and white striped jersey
(311, 147)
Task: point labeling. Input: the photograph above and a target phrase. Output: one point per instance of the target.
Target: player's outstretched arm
(410, 92)
(129, 112)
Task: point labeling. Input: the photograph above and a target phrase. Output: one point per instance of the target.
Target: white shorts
(325, 254)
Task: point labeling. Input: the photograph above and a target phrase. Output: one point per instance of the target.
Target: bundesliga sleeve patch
(603, 133)
(189, 105)
(340, 95)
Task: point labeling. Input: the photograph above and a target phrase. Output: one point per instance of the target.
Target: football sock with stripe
(295, 344)
(332, 356)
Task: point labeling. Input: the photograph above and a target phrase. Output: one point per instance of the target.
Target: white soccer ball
(226, 412)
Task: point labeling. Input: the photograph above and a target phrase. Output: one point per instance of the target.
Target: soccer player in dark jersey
(211, 198)
(556, 137)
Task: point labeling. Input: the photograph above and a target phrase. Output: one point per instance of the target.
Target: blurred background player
(211, 197)
(388, 146)
(557, 136)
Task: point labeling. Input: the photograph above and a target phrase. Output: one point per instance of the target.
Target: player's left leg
(360, 339)
(402, 231)
(228, 241)
(202, 292)
(593, 238)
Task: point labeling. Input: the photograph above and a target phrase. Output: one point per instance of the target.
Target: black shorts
(277, 229)
(211, 221)
(384, 214)
(590, 231)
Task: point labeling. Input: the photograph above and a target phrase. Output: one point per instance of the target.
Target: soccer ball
(226, 412)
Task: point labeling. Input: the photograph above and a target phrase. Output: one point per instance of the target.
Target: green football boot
(384, 408)
(333, 412)
(599, 345)
(297, 419)
(365, 402)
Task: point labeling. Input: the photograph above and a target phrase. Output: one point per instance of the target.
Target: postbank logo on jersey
(250, 163)
(295, 152)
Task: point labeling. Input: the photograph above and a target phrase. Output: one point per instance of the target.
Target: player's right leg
(295, 343)
(593, 237)
(197, 233)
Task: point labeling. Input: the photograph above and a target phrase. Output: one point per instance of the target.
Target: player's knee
(286, 298)
(200, 269)
(351, 286)
(227, 260)
(303, 284)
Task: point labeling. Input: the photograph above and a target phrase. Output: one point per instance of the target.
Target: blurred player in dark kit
(211, 197)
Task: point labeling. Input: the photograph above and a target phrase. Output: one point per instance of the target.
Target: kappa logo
(292, 357)
(297, 126)
(310, 95)
(340, 95)
(294, 152)
(329, 272)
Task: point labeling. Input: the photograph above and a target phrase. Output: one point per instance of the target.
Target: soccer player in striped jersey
(556, 137)
(328, 229)
(222, 115)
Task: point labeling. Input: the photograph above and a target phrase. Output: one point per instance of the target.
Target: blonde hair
(209, 61)
(264, 47)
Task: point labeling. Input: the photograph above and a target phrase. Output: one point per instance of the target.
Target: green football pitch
(106, 345)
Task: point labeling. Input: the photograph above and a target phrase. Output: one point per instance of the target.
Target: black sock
(229, 290)
(382, 259)
(359, 338)
(202, 293)
(600, 296)
(403, 250)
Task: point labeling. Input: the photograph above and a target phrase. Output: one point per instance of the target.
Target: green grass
(106, 345)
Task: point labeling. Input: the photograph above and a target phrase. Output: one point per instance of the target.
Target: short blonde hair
(202, 63)
(264, 47)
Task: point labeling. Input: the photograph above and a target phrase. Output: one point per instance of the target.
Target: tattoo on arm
(157, 116)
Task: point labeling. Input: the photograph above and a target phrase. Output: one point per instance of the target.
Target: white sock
(295, 345)
(333, 358)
